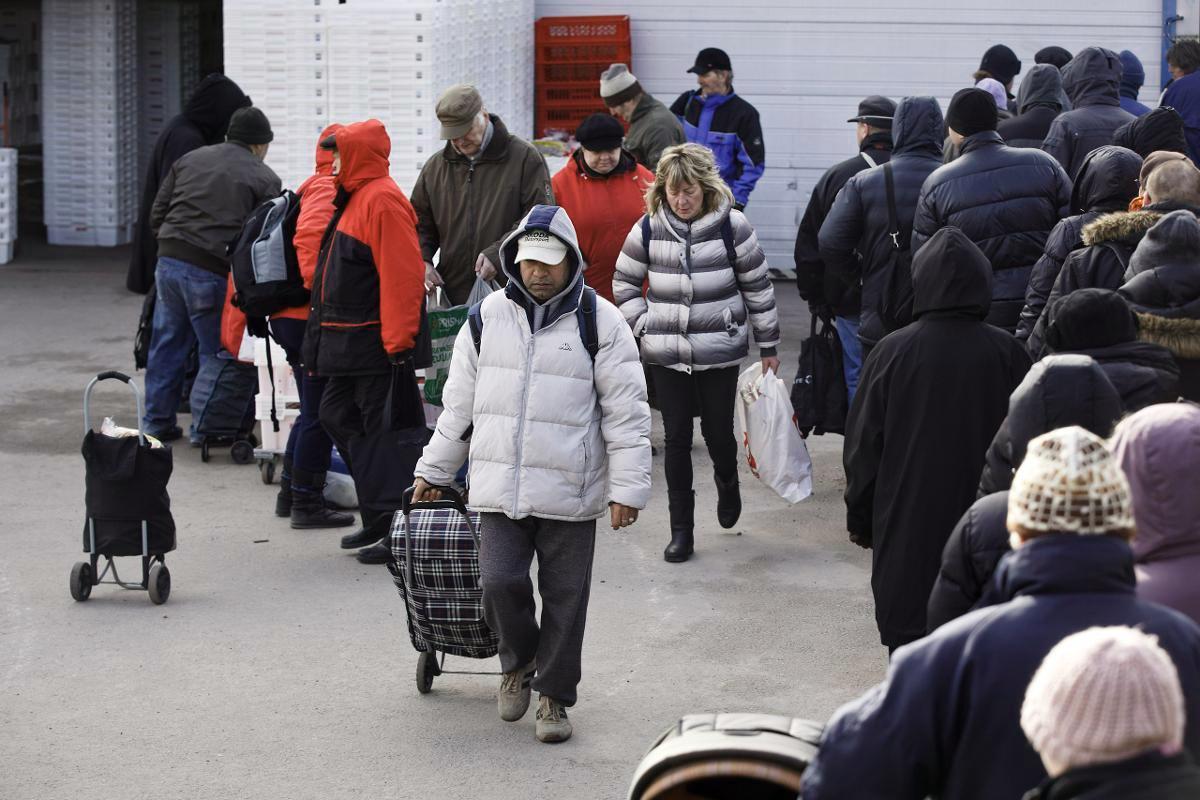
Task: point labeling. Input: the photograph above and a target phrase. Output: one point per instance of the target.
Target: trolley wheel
(81, 581)
(204, 451)
(242, 452)
(267, 469)
(427, 670)
(159, 583)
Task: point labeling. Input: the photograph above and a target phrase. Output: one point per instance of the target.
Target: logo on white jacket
(565, 346)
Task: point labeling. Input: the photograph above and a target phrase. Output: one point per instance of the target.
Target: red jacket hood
(364, 148)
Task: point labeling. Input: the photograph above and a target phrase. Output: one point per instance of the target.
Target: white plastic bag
(771, 443)
(481, 290)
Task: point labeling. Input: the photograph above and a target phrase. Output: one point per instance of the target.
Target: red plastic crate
(582, 30)
(571, 53)
(568, 94)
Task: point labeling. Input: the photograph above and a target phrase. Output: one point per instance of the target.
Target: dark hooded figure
(1162, 285)
(1059, 391)
(912, 457)
(1133, 76)
(1092, 81)
(855, 240)
(1056, 56)
(1039, 102)
(1107, 182)
(1099, 323)
(203, 121)
(1160, 129)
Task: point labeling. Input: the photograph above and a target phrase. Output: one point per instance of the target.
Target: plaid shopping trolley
(435, 566)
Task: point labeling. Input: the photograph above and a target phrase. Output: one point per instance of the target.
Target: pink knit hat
(1103, 695)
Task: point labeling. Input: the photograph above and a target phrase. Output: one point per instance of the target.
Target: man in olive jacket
(472, 194)
(652, 126)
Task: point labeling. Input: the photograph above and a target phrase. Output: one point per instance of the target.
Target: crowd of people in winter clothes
(1022, 516)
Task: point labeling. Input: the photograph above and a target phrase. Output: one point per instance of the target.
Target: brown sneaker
(513, 698)
(552, 722)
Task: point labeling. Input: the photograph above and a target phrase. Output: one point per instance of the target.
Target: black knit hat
(1001, 63)
(1088, 319)
(1174, 240)
(600, 132)
(249, 126)
(1053, 55)
(972, 111)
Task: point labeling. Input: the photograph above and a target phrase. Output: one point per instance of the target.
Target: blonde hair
(685, 164)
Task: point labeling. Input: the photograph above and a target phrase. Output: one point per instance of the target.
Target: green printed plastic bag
(444, 325)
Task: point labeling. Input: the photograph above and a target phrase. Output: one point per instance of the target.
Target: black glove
(862, 541)
(399, 359)
(821, 311)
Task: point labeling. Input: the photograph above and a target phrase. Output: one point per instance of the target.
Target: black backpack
(263, 263)
(896, 295)
(585, 313)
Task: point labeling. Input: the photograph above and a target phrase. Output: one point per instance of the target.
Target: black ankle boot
(682, 506)
(283, 500)
(308, 503)
(729, 502)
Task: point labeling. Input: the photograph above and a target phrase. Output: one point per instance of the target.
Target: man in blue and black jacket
(716, 117)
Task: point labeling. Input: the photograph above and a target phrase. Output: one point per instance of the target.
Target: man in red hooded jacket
(367, 298)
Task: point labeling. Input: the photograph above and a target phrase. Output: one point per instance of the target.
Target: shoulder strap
(585, 312)
(870, 161)
(893, 222)
(727, 238)
(1119, 252)
(475, 320)
(646, 233)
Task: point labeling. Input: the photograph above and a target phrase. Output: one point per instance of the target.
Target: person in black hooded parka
(1039, 102)
(855, 242)
(1093, 82)
(1161, 129)
(203, 121)
(912, 455)
(1059, 391)
(1005, 199)
(1099, 323)
(1107, 182)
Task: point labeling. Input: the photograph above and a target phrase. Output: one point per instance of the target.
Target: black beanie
(972, 111)
(249, 126)
(1001, 63)
(1055, 55)
(1088, 319)
(600, 132)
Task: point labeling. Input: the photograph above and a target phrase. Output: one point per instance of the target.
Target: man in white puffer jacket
(555, 438)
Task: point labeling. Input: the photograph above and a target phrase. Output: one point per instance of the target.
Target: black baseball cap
(876, 110)
(329, 142)
(710, 58)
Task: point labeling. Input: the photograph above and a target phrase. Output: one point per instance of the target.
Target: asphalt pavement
(281, 668)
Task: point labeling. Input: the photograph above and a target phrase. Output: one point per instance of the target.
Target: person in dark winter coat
(946, 721)
(1107, 182)
(1039, 102)
(1160, 129)
(715, 116)
(1100, 324)
(855, 240)
(1105, 712)
(1162, 285)
(1000, 63)
(1132, 77)
(824, 294)
(1058, 391)
(1030, 186)
(204, 120)
(1183, 93)
(1092, 81)
(1159, 449)
(912, 458)
(1110, 241)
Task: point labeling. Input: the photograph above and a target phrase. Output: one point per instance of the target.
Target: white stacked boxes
(89, 105)
(19, 26)
(286, 396)
(160, 87)
(8, 202)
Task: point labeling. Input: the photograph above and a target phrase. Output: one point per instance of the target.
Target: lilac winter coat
(1159, 449)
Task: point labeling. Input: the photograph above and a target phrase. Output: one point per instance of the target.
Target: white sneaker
(513, 698)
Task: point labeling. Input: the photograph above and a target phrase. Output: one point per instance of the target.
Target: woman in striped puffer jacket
(708, 286)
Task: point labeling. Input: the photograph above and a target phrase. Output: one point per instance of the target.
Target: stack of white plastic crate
(309, 65)
(8, 202)
(159, 79)
(89, 116)
(286, 396)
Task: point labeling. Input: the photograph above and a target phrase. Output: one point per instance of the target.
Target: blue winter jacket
(729, 126)
(946, 721)
(1184, 96)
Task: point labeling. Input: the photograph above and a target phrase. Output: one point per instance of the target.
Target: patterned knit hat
(1070, 483)
(1104, 695)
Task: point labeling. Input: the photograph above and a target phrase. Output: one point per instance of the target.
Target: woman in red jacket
(603, 189)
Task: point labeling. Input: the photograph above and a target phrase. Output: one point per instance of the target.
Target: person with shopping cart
(560, 437)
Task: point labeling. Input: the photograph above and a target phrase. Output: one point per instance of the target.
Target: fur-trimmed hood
(1180, 335)
(1120, 226)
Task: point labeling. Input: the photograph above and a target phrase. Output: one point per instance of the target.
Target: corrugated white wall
(805, 64)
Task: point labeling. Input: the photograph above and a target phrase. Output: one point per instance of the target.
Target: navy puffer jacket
(945, 722)
(1006, 200)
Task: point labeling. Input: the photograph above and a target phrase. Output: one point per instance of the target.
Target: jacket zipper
(471, 203)
(521, 424)
(586, 459)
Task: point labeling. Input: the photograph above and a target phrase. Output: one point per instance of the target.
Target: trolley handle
(137, 396)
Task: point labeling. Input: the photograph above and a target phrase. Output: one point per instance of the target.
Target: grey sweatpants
(564, 551)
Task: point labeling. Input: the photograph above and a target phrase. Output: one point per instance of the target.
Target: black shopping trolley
(128, 509)
(435, 566)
